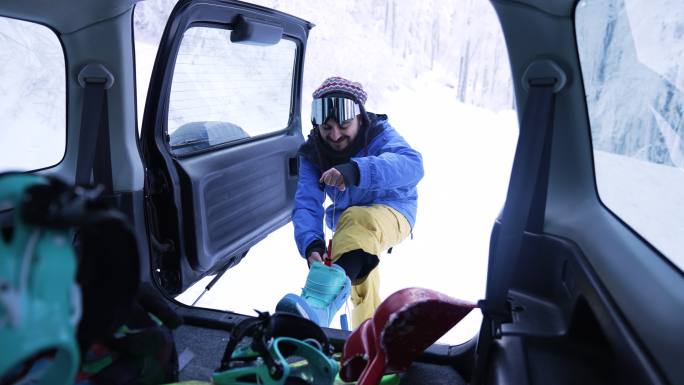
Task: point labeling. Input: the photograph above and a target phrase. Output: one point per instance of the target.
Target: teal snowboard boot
(327, 289)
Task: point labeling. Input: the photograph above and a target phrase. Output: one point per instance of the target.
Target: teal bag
(40, 303)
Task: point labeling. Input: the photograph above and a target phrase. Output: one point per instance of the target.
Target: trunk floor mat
(207, 346)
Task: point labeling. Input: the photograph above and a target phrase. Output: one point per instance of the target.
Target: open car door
(220, 134)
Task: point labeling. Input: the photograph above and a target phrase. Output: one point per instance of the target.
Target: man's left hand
(333, 177)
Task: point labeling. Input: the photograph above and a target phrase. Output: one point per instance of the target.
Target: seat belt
(525, 204)
(94, 150)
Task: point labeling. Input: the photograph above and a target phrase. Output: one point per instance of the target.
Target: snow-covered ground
(467, 149)
(467, 154)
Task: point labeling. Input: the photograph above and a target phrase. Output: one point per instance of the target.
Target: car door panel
(565, 327)
(216, 186)
(228, 198)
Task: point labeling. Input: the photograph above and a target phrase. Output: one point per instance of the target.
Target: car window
(223, 92)
(634, 84)
(33, 101)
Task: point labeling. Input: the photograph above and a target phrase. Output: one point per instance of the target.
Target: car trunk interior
(561, 330)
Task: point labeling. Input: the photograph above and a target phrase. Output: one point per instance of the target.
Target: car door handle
(293, 166)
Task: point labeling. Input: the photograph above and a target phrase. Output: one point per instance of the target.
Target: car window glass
(223, 92)
(634, 84)
(33, 101)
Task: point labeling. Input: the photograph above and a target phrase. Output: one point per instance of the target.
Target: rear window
(223, 92)
(33, 96)
(631, 53)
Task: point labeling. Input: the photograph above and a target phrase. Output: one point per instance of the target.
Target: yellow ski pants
(373, 229)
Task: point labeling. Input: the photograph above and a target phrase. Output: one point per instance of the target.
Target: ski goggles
(342, 109)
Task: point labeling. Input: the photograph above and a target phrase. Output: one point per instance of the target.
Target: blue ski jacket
(388, 175)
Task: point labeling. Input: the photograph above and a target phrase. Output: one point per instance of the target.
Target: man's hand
(333, 177)
(316, 257)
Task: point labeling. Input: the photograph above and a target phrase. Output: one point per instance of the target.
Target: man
(370, 174)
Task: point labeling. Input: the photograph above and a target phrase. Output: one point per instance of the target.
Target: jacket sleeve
(397, 165)
(307, 215)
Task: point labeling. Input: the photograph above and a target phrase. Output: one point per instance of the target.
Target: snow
(440, 71)
(458, 204)
(649, 199)
(617, 42)
(631, 57)
(383, 43)
(657, 47)
(460, 119)
(33, 102)
(145, 54)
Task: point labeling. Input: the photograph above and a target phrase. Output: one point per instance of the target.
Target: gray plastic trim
(544, 69)
(95, 73)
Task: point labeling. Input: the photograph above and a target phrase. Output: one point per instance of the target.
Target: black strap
(523, 210)
(244, 328)
(290, 325)
(267, 326)
(93, 147)
(529, 181)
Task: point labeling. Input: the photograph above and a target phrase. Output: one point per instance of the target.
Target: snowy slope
(467, 161)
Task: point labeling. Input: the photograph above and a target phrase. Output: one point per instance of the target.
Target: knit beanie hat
(338, 85)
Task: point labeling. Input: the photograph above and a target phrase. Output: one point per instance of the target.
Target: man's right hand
(316, 257)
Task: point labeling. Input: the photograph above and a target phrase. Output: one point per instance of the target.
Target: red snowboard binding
(403, 326)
